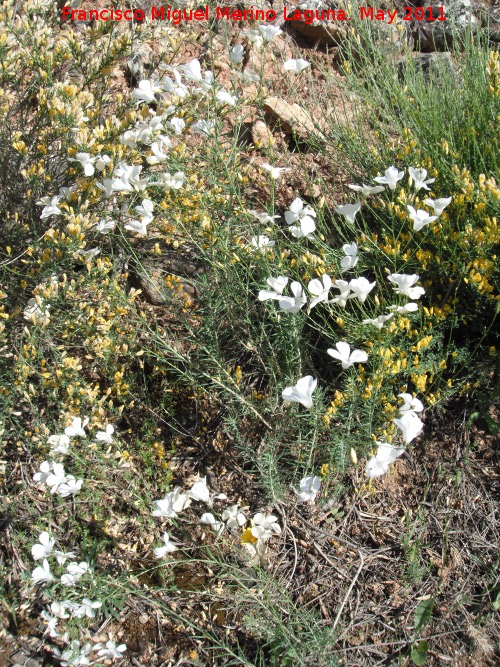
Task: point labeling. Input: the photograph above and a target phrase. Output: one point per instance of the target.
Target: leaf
(419, 654)
(491, 425)
(423, 614)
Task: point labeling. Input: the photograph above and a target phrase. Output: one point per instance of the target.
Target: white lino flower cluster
(51, 473)
(301, 220)
(153, 135)
(263, 526)
(73, 581)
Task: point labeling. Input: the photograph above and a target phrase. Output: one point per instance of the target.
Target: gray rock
(461, 18)
(432, 65)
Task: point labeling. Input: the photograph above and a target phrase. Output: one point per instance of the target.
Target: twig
(349, 590)
(328, 560)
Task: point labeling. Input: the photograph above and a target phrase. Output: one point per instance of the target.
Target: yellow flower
(247, 537)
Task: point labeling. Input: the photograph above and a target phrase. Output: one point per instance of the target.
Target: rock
(292, 118)
(432, 65)
(138, 64)
(21, 658)
(490, 19)
(163, 278)
(429, 36)
(320, 33)
(261, 134)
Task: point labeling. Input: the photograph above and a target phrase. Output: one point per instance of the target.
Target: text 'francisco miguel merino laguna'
(177, 16)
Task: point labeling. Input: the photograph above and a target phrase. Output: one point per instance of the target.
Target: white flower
(275, 172)
(263, 217)
(86, 608)
(319, 289)
(42, 574)
(438, 204)
(146, 91)
(343, 353)
(102, 161)
(49, 206)
(410, 307)
(404, 285)
(351, 256)
(44, 548)
(410, 404)
(292, 304)
(379, 464)
(56, 478)
(127, 178)
(233, 517)
(204, 127)
(60, 444)
(420, 218)
(77, 428)
(305, 229)
(145, 130)
(88, 254)
(304, 215)
(367, 190)
(174, 87)
(390, 178)
(200, 491)
(106, 186)
(278, 285)
(236, 54)
(379, 321)
(42, 476)
(105, 225)
(226, 98)
(111, 650)
(301, 392)
(176, 125)
(262, 243)
(59, 609)
(269, 32)
(296, 65)
(345, 292)
(130, 138)
(139, 227)
(361, 288)
(158, 154)
(192, 71)
(417, 178)
(37, 311)
(168, 548)
(211, 521)
(86, 161)
(69, 487)
(66, 192)
(51, 621)
(74, 572)
(264, 526)
(63, 556)
(173, 503)
(106, 436)
(145, 209)
(348, 211)
(308, 489)
(170, 181)
(411, 426)
(74, 656)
